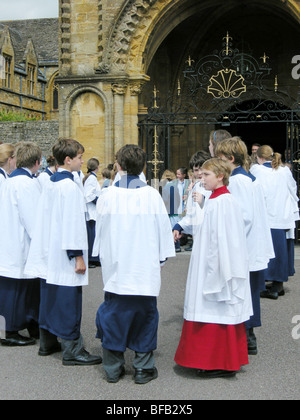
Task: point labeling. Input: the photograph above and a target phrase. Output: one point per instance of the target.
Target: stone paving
(274, 373)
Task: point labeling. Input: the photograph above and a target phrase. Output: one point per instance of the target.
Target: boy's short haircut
(66, 147)
(131, 158)
(7, 150)
(27, 154)
(198, 159)
(106, 173)
(51, 161)
(183, 170)
(219, 167)
(233, 147)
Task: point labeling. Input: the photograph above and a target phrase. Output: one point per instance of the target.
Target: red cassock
(212, 346)
(218, 297)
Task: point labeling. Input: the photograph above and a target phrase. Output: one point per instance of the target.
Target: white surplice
(279, 189)
(92, 190)
(194, 212)
(60, 226)
(258, 233)
(133, 236)
(218, 288)
(19, 197)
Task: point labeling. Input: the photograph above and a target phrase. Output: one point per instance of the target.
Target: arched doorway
(265, 32)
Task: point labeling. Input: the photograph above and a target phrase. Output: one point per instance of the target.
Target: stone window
(30, 79)
(6, 81)
(55, 97)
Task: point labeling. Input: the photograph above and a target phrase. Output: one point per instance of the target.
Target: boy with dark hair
(133, 239)
(58, 255)
(195, 201)
(19, 293)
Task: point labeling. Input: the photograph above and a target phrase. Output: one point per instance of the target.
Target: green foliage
(16, 116)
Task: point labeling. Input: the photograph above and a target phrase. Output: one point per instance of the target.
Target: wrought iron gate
(226, 87)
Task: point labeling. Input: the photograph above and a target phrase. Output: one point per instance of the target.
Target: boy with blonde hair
(218, 299)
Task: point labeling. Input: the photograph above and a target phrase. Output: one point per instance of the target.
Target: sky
(28, 9)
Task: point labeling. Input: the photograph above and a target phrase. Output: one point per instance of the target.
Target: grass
(16, 116)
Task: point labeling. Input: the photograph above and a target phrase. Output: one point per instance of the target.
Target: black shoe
(48, 343)
(269, 294)
(14, 339)
(114, 380)
(84, 358)
(143, 376)
(188, 248)
(252, 350)
(33, 330)
(94, 264)
(273, 290)
(215, 373)
(251, 342)
(56, 348)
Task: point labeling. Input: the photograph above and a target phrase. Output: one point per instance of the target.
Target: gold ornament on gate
(227, 84)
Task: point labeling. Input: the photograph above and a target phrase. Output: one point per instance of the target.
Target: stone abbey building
(29, 64)
(165, 73)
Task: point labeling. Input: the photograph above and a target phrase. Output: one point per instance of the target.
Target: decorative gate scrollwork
(227, 86)
(227, 83)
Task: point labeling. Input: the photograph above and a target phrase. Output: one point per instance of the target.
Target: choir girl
(92, 190)
(214, 137)
(279, 188)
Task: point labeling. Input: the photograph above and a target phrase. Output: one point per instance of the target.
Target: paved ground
(273, 374)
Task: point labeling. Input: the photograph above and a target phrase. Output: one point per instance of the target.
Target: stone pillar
(135, 90)
(119, 90)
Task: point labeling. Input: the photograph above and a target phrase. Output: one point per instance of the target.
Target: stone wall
(45, 133)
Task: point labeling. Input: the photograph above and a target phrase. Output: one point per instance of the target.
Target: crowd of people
(239, 211)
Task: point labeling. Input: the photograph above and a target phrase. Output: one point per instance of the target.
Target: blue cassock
(257, 278)
(61, 306)
(282, 266)
(19, 298)
(128, 321)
